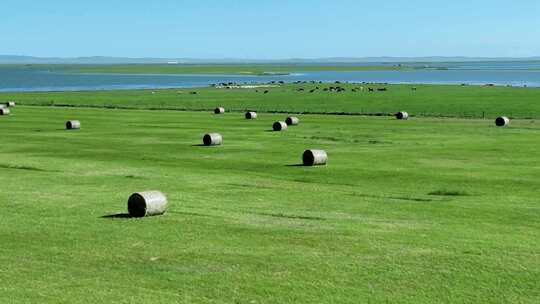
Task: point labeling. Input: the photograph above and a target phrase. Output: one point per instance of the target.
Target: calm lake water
(17, 79)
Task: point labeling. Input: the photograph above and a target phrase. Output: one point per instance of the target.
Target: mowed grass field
(427, 100)
(430, 210)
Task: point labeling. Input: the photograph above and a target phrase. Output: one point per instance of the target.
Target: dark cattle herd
(335, 88)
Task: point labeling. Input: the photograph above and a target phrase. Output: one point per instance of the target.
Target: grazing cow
(381, 89)
(414, 88)
(193, 93)
(266, 92)
(311, 91)
(371, 90)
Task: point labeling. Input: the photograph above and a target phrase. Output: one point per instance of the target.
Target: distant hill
(14, 59)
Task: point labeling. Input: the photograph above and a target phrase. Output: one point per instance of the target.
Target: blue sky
(270, 29)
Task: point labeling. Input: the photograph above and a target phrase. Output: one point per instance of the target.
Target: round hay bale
(4, 111)
(73, 124)
(502, 121)
(314, 157)
(402, 115)
(212, 139)
(219, 110)
(251, 115)
(292, 121)
(10, 104)
(147, 203)
(280, 126)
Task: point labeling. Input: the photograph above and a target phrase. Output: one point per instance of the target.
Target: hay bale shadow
(118, 216)
(296, 165)
(444, 192)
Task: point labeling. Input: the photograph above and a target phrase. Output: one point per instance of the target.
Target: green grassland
(429, 210)
(224, 69)
(427, 100)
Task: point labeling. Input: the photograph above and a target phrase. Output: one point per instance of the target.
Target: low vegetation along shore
(434, 209)
(223, 69)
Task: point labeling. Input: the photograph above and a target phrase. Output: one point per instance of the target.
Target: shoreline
(258, 85)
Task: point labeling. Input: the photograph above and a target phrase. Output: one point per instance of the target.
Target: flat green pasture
(427, 100)
(430, 210)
